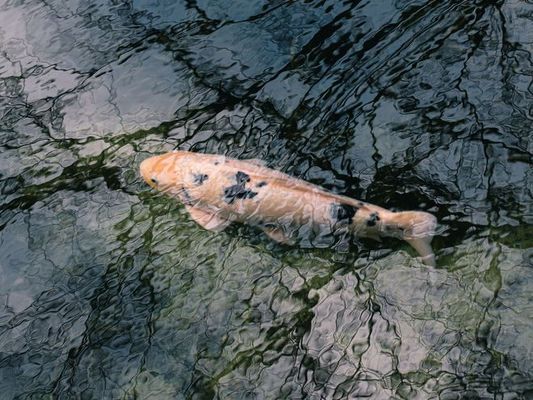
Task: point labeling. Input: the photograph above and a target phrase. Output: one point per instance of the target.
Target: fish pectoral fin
(277, 234)
(208, 220)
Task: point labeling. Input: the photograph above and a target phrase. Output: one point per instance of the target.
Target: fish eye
(154, 181)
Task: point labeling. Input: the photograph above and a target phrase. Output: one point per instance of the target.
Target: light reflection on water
(108, 290)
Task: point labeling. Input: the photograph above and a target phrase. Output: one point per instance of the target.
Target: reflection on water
(108, 290)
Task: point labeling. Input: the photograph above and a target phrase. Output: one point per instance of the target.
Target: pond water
(108, 290)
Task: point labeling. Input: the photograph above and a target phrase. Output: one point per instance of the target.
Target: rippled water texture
(108, 290)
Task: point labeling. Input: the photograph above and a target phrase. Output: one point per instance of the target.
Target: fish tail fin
(418, 228)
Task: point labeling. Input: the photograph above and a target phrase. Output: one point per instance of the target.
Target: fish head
(165, 171)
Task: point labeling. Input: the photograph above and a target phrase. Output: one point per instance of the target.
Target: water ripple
(108, 290)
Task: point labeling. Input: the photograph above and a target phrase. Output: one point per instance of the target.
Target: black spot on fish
(186, 197)
(342, 213)
(373, 219)
(216, 162)
(361, 204)
(200, 178)
(239, 190)
(241, 177)
(261, 184)
(154, 180)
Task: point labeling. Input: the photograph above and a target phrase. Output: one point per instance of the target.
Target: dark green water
(109, 291)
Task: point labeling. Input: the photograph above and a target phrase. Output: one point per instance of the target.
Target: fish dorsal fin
(208, 220)
(256, 161)
(277, 234)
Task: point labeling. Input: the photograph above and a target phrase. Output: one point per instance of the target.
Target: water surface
(109, 291)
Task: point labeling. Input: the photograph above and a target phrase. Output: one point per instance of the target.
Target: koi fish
(217, 190)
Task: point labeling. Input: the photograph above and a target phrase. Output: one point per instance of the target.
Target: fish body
(218, 190)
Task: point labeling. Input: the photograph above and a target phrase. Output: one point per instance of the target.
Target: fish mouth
(147, 169)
